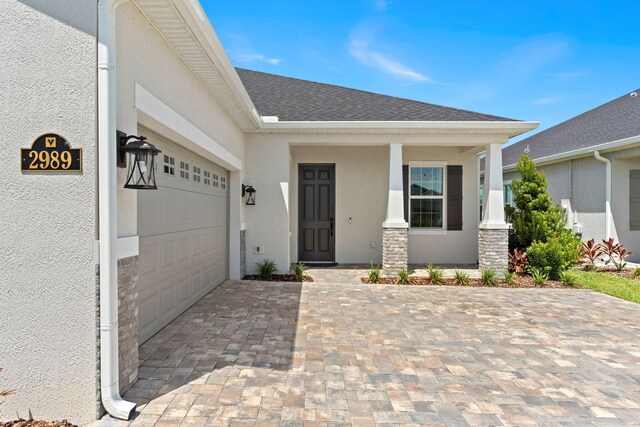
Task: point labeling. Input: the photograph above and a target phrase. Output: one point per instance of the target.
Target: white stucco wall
(47, 221)
(362, 181)
(143, 56)
(449, 247)
(582, 182)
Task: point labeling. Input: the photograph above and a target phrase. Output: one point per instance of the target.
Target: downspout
(107, 181)
(607, 208)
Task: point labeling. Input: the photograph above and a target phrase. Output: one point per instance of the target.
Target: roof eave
(507, 128)
(582, 152)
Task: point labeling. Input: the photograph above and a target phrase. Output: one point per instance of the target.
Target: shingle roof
(615, 120)
(302, 100)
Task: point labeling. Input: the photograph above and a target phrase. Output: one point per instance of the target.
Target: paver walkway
(253, 353)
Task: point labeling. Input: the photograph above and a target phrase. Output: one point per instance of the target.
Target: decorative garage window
(223, 182)
(184, 170)
(426, 197)
(207, 177)
(196, 174)
(215, 182)
(169, 165)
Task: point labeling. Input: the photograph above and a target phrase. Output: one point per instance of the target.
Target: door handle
(331, 226)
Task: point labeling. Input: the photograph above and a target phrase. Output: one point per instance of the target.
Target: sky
(542, 61)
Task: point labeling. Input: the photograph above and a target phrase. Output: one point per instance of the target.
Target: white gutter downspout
(109, 383)
(607, 208)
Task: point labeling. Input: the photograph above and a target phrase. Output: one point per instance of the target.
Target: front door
(316, 201)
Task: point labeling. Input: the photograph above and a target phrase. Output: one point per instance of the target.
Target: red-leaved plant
(591, 251)
(518, 261)
(614, 253)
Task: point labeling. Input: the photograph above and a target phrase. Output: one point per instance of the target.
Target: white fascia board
(582, 152)
(150, 105)
(495, 127)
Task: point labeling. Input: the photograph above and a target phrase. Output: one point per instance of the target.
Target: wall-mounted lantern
(250, 192)
(138, 156)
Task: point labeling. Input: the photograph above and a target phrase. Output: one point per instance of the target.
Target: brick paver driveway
(290, 354)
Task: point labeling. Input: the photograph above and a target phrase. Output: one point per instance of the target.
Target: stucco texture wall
(47, 221)
(621, 167)
(144, 57)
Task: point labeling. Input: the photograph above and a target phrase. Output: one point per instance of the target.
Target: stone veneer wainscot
(395, 253)
(493, 249)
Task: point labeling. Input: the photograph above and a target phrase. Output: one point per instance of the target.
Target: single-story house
(251, 166)
(592, 165)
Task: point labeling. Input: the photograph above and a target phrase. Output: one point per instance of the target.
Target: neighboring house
(592, 165)
(90, 270)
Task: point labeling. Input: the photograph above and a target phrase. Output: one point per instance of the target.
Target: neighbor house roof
(613, 121)
(301, 100)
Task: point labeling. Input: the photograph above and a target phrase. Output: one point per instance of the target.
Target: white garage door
(183, 235)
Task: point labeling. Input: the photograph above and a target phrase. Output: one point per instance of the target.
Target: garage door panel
(183, 236)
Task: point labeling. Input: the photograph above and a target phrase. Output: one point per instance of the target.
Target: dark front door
(316, 234)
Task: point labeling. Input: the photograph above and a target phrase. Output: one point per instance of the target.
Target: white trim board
(154, 108)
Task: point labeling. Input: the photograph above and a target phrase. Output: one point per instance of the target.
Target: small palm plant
(461, 278)
(539, 275)
(509, 277)
(435, 274)
(636, 273)
(404, 276)
(298, 273)
(375, 274)
(488, 277)
(267, 268)
(568, 279)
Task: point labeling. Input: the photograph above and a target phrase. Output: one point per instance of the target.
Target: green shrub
(298, 273)
(404, 276)
(533, 216)
(267, 268)
(636, 273)
(488, 277)
(435, 274)
(555, 255)
(568, 279)
(375, 274)
(509, 277)
(461, 278)
(539, 275)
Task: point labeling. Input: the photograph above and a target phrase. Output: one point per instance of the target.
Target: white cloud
(247, 57)
(380, 5)
(527, 58)
(359, 48)
(546, 101)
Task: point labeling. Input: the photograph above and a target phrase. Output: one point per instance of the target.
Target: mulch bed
(37, 423)
(278, 278)
(626, 273)
(519, 282)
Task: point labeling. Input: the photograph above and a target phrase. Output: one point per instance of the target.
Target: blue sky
(545, 61)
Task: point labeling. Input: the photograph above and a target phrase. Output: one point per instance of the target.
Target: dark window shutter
(405, 191)
(454, 197)
(634, 200)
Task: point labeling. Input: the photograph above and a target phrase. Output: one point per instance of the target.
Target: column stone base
(395, 250)
(128, 322)
(493, 249)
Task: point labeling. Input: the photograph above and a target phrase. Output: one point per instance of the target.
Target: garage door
(183, 235)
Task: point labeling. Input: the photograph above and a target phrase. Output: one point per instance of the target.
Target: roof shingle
(302, 100)
(615, 120)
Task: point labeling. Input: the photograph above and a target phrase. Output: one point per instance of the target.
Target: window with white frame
(184, 170)
(426, 197)
(169, 165)
(508, 194)
(196, 174)
(214, 178)
(207, 177)
(223, 182)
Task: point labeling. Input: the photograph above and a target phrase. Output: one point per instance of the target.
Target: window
(184, 170)
(426, 197)
(508, 194)
(223, 181)
(196, 174)
(207, 178)
(169, 165)
(215, 180)
(634, 199)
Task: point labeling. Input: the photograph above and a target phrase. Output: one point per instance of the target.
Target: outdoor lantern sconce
(250, 192)
(138, 156)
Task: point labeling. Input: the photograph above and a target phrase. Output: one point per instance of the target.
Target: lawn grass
(609, 284)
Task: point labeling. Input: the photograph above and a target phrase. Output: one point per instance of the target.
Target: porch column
(395, 239)
(493, 237)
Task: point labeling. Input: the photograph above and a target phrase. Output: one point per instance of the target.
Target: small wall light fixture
(138, 156)
(250, 192)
